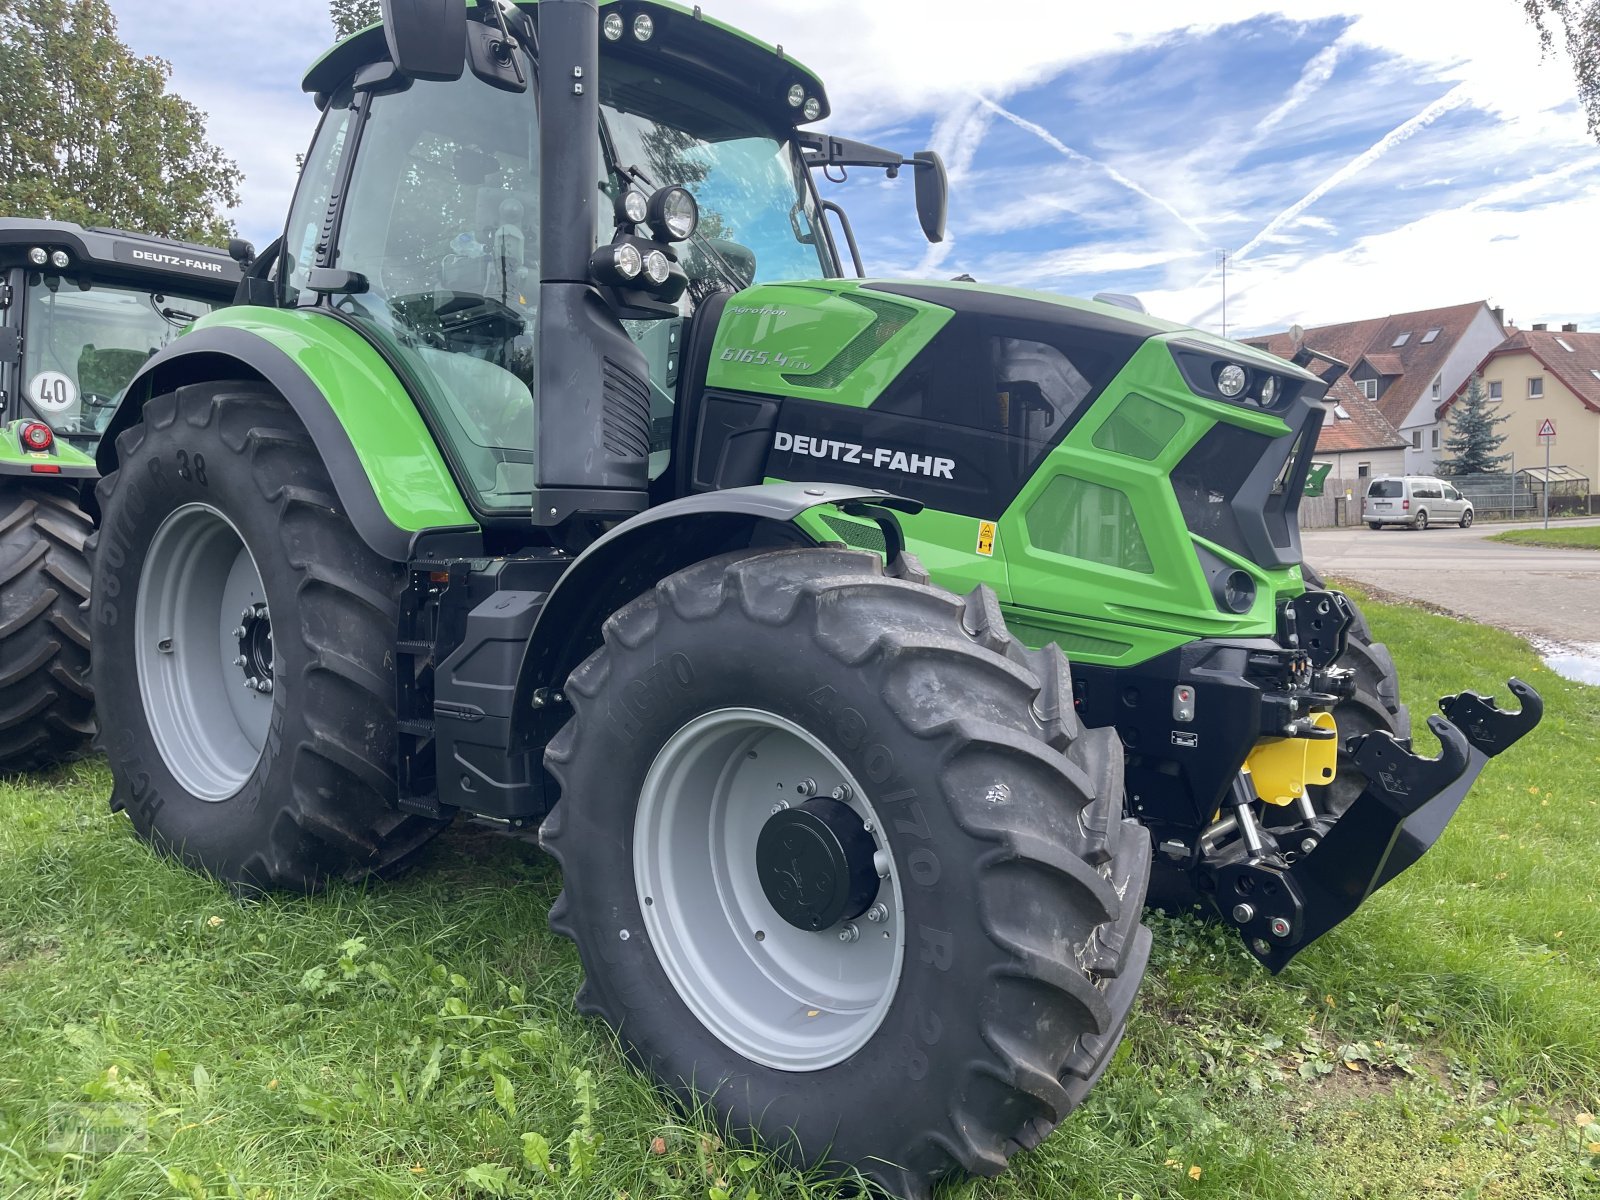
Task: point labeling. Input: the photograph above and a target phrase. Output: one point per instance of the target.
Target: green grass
(1584, 537)
(405, 1040)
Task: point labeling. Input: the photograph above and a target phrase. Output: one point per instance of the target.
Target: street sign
(1548, 429)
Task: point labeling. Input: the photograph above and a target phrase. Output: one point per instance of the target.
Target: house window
(1495, 390)
(1363, 470)
(1369, 388)
(1435, 439)
(1594, 372)
(1565, 345)
(1431, 335)
(1436, 387)
(1401, 340)
(1341, 412)
(1416, 439)
(1536, 387)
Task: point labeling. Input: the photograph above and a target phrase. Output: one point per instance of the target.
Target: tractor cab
(82, 310)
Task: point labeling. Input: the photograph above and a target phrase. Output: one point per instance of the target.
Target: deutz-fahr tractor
(558, 472)
(80, 312)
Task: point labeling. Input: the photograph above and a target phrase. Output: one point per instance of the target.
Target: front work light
(813, 108)
(1269, 391)
(634, 207)
(38, 256)
(612, 26)
(1231, 380)
(60, 260)
(643, 27)
(618, 265)
(673, 214)
(797, 96)
(656, 267)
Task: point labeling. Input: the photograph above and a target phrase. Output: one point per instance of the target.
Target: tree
(90, 133)
(1470, 447)
(351, 15)
(1579, 24)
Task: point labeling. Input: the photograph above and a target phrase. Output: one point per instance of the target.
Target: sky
(1354, 158)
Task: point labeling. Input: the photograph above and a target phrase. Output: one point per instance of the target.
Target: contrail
(1451, 99)
(1067, 151)
(1316, 73)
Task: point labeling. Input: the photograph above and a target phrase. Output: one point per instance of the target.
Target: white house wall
(1481, 337)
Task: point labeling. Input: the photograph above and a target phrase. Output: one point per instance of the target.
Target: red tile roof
(1410, 368)
(1575, 368)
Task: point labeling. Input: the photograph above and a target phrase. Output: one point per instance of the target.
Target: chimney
(1570, 327)
(1499, 316)
(1541, 328)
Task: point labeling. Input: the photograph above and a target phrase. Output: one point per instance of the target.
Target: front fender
(386, 468)
(637, 554)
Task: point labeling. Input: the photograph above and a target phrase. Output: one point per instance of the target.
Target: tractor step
(1281, 900)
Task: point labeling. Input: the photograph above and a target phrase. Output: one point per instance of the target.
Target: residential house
(1539, 374)
(1406, 365)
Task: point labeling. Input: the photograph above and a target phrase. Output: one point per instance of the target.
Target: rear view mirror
(933, 193)
(427, 38)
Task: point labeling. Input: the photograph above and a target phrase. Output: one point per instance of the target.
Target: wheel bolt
(842, 792)
(806, 787)
(240, 661)
(239, 632)
(850, 933)
(1307, 846)
(1244, 913)
(1280, 927)
(250, 685)
(779, 807)
(266, 687)
(878, 913)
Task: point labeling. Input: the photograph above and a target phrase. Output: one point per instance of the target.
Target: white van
(1415, 501)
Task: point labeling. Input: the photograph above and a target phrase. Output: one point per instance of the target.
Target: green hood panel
(403, 465)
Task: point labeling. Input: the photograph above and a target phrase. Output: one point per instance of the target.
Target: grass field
(1583, 537)
(415, 1039)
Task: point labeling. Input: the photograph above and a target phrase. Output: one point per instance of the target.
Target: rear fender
(387, 471)
(639, 553)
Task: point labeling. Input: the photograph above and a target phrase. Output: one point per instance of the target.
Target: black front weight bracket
(1282, 903)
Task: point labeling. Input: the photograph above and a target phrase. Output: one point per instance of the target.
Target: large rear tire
(244, 649)
(960, 1018)
(46, 699)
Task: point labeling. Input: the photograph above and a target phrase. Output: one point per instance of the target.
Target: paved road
(1553, 594)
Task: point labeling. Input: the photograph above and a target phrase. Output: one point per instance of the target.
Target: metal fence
(1498, 496)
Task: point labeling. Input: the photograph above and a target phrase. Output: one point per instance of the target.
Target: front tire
(1375, 525)
(1421, 520)
(1466, 519)
(46, 699)
(941, 1032)
(244, 649)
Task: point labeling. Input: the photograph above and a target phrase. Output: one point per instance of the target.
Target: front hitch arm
(1281, 903)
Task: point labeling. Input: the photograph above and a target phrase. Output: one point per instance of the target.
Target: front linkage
(1283, 898)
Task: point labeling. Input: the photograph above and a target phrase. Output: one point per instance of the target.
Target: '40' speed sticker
(52, 392)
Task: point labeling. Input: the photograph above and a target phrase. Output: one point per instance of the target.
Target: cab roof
(686, 38)
(114, 253)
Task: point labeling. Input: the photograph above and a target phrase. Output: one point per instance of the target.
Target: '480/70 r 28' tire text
(840, 861)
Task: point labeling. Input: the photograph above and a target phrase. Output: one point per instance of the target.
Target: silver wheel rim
(780, 996)
(201, 608)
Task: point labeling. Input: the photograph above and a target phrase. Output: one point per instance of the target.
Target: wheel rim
(785, 997)
(203, 651)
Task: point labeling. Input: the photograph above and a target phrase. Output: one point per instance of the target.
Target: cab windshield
(758, 218)
(83, 346)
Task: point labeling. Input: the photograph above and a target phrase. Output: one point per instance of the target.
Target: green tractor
(81, 310)
(555, 473)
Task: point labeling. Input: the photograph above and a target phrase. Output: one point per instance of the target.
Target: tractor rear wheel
(46, 701)
(842, 865)
(244, 640)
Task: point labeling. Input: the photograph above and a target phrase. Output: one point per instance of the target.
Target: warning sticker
(986, 538)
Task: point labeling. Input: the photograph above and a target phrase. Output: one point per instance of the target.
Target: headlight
(813, 108)
(643, 27)
(656, 267)
(634, 207)
(797, 96)
(673, 214)
(1231, 381)
(38, 256)
(1269, 391)
(617, 265)
(60, 260)
(612, 26)
(627, 260)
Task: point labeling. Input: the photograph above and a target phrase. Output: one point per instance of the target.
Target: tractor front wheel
(842, 865)
(46, 702)
(244, 640)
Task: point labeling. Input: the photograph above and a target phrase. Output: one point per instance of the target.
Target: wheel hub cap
(815, 864)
